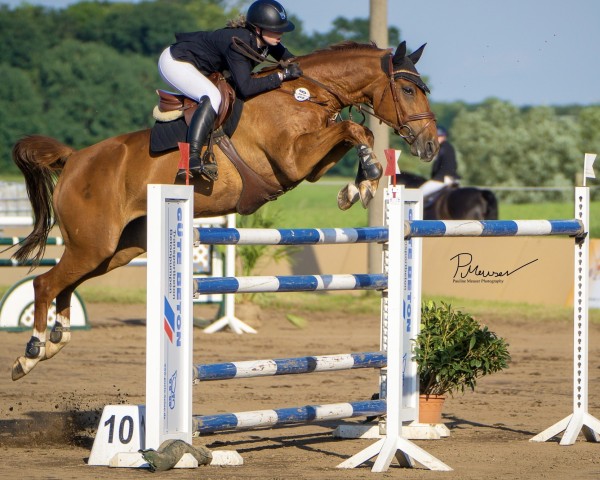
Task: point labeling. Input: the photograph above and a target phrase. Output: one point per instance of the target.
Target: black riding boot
(200, 126)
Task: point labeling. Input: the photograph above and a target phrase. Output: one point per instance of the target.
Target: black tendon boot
(200, 126)
(371, 168)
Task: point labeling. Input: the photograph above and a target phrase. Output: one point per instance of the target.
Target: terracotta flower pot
(430, 408)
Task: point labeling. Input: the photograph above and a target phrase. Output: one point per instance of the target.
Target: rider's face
(271, 38)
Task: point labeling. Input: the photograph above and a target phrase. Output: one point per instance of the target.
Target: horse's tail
(492, 205)
(40, 159)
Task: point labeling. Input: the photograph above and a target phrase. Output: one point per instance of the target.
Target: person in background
(186, 64)
(444, 170)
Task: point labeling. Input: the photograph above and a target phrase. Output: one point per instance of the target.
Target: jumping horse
(454, 202)
(97, 195)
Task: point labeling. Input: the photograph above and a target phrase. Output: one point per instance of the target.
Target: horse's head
(402, 102)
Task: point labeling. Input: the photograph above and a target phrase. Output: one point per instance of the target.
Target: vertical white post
(169, 316)
(580, 419)
(413, 259)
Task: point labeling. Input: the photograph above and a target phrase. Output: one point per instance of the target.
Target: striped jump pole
(290, 283)
(287, 416)
(493, 228)
(289, 366)
(18, 240)
(50, 262)
(290, 236)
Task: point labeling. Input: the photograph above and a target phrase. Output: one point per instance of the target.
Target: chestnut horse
(99, 199)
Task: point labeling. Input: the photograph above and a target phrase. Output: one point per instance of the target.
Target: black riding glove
(291, 72)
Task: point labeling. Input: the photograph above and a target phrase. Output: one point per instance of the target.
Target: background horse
(99, 200)
(454, 202)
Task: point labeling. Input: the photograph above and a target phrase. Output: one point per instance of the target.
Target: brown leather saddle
(173, 102)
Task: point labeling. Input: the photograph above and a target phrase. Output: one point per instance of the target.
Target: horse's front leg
(329, 139)
(366, 182)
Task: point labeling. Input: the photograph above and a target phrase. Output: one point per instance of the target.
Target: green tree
(504, 146)
(589, 124)
(25, 32)
(93, 92)
(21, 105)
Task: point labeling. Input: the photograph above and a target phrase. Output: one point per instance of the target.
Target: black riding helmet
(269, 15)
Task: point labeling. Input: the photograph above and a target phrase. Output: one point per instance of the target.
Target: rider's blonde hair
(238, 22)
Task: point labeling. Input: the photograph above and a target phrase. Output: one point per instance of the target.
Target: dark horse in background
(454, 202)
(99, 199)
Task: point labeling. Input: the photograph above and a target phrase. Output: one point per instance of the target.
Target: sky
(527, 52)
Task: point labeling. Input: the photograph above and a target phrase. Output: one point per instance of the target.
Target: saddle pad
(166, 135)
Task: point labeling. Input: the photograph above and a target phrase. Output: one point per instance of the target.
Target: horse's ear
(417, 54)
(400, 53)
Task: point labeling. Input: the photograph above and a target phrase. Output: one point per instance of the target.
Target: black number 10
(125, 429)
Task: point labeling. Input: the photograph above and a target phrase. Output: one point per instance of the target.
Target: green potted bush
(452, 351)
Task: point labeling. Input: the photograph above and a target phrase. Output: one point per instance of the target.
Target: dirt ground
(48, 419)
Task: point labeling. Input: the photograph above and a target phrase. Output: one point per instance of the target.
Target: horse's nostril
(429, 149)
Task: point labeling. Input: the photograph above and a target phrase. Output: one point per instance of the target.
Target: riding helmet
(441, 131)
(269, 15)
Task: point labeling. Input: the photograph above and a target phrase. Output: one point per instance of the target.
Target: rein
(402, 128)
(248, 52)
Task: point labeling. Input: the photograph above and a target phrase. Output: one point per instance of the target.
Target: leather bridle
(402, 127)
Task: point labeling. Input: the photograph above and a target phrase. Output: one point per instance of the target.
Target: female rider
(185, 65)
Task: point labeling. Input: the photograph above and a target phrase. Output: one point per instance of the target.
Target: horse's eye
(408, 90)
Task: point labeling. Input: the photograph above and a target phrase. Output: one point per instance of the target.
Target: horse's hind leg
(76, 265)
(59, 282)
(131, 244)
(44, 292)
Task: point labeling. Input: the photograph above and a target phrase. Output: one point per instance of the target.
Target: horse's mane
(343, 46)
(347, 45)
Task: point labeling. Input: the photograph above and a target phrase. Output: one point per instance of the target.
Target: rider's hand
(291, 72)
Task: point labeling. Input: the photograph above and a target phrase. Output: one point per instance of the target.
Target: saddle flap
(227, 97)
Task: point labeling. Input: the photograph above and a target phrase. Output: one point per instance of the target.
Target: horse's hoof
(366, 194)
(342, 199)
(348, 196)
(17, 370)
(59, 337)
(53, 348)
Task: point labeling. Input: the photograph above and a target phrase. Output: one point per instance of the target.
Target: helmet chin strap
(259, 32)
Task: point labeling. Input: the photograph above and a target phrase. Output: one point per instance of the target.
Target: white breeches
(185, 78)
(431, 186)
